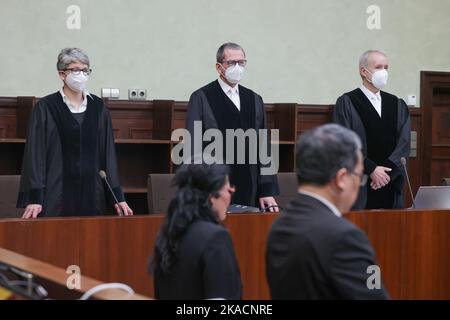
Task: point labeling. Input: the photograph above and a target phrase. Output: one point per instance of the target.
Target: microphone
(103, 176)
(403, 162)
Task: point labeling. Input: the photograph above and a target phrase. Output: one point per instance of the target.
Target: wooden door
(435, 104)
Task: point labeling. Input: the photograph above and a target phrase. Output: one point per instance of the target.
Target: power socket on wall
(137, 94)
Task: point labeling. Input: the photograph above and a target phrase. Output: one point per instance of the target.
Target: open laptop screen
(434, 197)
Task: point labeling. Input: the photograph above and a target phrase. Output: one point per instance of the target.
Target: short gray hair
(229, 45)
(323, 151)
(71, 55)
(364, 58)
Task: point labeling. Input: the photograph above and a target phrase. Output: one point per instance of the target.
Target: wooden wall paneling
(310, 116)
(179, 114)
(24, 107)
(8, 107)
(131, 119)
(8, 117)
(163, 116)
(286, 157)
(285, 119)
(283, 116)
(270, 115)
(11, 155)
(137, 160)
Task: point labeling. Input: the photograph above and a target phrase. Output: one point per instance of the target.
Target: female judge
(70, 139)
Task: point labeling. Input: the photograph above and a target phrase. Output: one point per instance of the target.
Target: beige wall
(302, 51)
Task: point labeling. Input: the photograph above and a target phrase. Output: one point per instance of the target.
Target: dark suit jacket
(313, 254)
(206, 266)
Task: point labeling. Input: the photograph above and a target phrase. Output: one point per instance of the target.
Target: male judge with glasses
(226, 104)
(70, 139)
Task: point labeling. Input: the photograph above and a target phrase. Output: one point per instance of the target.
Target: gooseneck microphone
(403, 162)
(103, 176)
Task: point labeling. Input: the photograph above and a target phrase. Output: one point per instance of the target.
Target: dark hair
(195, 184)
(323, 151)
(220, 55)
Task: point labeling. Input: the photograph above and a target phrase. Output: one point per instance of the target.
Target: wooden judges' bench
(412, 246)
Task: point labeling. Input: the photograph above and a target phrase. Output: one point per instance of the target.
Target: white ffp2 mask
(234, 74)
(379, 78)
(77, 82)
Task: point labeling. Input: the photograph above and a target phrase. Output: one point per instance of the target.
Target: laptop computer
(239, 208)
(433, 197)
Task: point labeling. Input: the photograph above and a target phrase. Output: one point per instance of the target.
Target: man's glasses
(77, 71)
(232, 63)
(363, 177)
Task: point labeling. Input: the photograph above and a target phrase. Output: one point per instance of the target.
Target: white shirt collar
(330, 206)
(83, 105)
(226, 88)
(369, 94)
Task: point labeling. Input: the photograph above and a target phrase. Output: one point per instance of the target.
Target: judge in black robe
(65, 151)
(385, 138)
(214, 108)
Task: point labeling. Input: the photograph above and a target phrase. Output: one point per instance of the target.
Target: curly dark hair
(195, 184)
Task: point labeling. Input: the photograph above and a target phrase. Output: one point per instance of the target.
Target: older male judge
(382, 122)
(70, 139)
(225, 104)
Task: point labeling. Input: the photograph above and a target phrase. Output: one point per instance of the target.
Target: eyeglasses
(363, 177)
(230, 63)
(77, 71)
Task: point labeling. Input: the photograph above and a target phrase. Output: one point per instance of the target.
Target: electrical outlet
(132, 94)
(142, 94)
(411, 100)
(137, 94)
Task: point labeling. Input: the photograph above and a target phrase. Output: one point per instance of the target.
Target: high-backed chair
(159, 192)
(446, 181)
(9, 189)
(287, 181)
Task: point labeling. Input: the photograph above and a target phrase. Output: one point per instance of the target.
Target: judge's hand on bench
(268, 202)
(32, 211)
(125, 209)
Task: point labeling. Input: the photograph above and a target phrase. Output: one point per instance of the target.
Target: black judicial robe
(215, 109)
(63, 157)
(385, 141)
